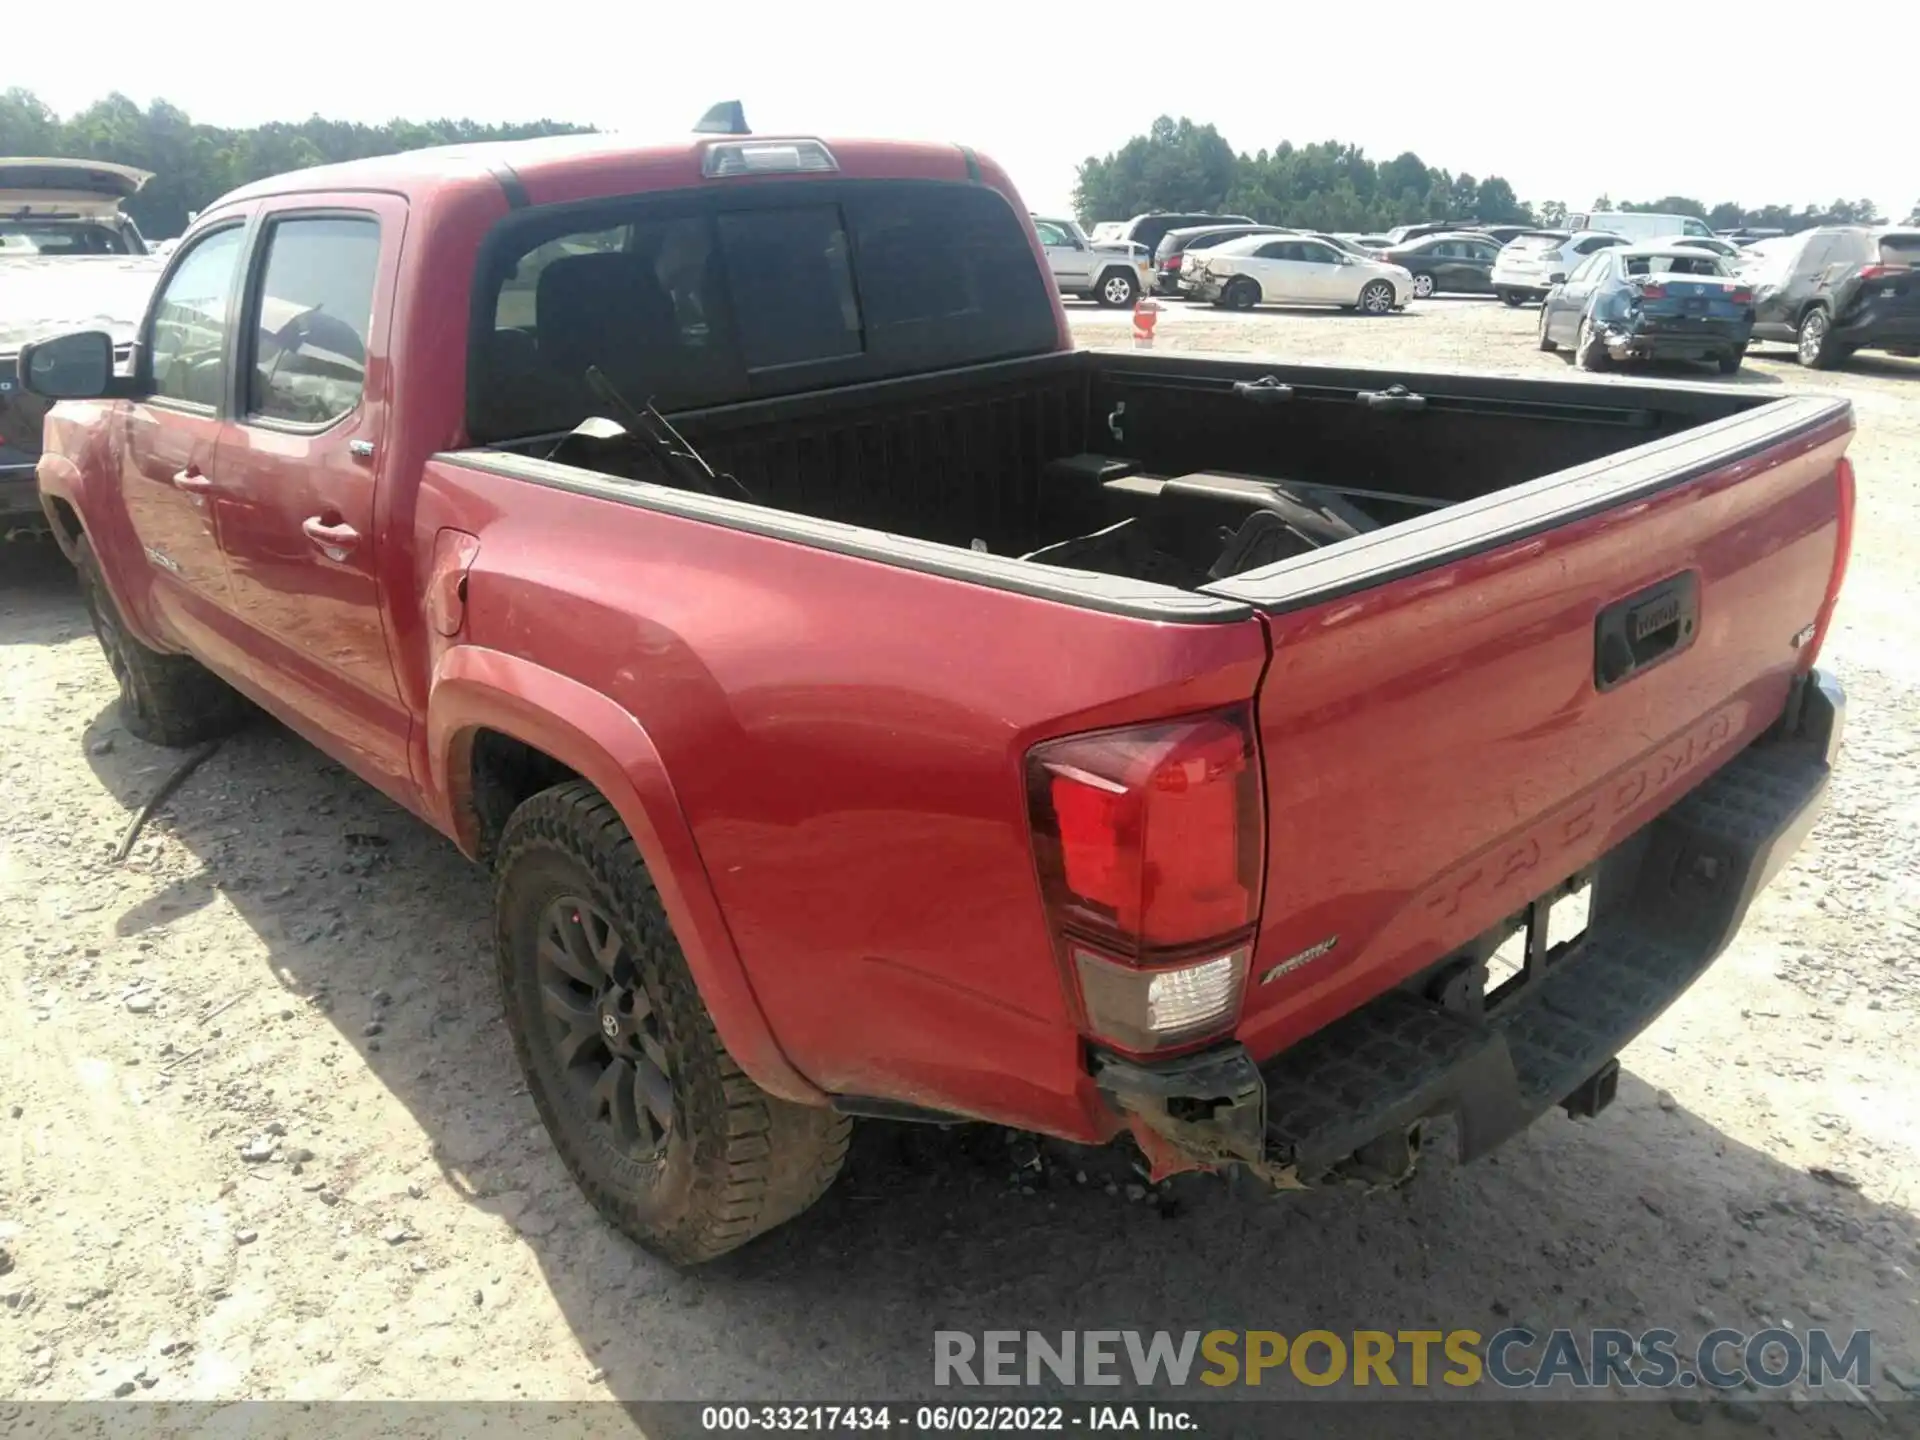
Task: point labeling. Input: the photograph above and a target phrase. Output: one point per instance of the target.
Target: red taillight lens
(1842, 552)
(1741, 297)
(1151, 847)
(1174, 262)
(1877, 272)
(1653, 292)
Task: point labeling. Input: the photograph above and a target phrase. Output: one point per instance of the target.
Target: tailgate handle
(1394, 397)
(1645, 628)
(1267, 390)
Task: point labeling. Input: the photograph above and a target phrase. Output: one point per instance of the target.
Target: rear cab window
(688, 299)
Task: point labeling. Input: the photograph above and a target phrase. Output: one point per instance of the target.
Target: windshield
(1701, 264)
(60, 237)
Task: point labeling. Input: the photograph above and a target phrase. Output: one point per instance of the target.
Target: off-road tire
(1241, 293)
(737, 1161)
(170, 700)
(1729, 362)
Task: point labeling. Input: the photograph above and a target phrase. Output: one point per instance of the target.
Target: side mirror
(1558, 277)
(69, 367)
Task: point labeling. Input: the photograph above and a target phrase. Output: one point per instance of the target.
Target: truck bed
(1027, 457)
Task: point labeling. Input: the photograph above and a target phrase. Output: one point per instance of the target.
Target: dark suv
(1837, 289)
(1170, 256)
(1149, 230)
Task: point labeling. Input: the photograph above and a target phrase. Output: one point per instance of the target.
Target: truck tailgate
(1464, 712)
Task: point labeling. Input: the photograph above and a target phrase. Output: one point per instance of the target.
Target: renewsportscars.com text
(1513, 1359)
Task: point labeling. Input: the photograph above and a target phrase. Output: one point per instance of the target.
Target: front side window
(187, 345)
(1318, 254)
(308, 360)
(1695, 227)
(1051, 234)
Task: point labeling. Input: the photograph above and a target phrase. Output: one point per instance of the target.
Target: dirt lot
(263, 1134)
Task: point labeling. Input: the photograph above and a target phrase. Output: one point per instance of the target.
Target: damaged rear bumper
(1665, 904)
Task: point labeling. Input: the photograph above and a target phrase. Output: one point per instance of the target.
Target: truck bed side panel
(846, 740)
(1438, 754)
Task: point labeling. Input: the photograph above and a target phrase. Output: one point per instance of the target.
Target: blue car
(1649, 302)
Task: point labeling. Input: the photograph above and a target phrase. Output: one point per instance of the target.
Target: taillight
(1174, 262)
(1842, 552)
(1742, 296)
(1653, 291)
(1150, 843)
(1880, 272)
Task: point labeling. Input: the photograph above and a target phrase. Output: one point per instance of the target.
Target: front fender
(474, 689)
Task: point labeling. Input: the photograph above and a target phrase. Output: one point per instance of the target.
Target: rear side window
(692, 300)
(308, 361)
(187, 346)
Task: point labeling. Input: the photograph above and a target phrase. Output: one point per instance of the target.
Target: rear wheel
(170, 700)
(1240, 294)
(1423, 286)
(660, 1127)
(1117, 289)
(1588, 352)
(1730, 362)
(1546, 340)
(1814, 346)
(1510, 298)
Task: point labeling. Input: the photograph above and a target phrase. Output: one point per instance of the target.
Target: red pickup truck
(871, 705)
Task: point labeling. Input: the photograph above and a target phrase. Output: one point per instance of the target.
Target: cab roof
(569, 167)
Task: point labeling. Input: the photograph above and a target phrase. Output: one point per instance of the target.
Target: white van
(1640, 226)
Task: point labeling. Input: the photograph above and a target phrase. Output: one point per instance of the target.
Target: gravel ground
(263, 1134)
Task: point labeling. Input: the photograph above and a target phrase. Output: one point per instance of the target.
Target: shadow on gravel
(32, 571)
(1648, 1216)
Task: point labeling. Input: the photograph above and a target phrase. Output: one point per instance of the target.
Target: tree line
(195, 164)
(1178, 165)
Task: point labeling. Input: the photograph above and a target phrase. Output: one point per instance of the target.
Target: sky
(1567, 101)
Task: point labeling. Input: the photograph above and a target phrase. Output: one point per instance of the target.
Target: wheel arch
(497, 722)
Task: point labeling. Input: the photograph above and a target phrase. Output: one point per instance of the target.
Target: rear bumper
(1872, 330)
(1694, 343)
(1665, 904)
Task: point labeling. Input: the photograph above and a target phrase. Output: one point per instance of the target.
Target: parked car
(1296, 270)
(1372, 244)
(1840, 288)
(1450, 262)
(1502, 234)
(846, 737)
(1402, 234)
(1114, 274)
(1747, 235)
(1170, 259)
(1640, 226)
(69, 256)
(1726, 249)
(1149, 230)
(1649, 302)
(1521, 270)
(64, 208)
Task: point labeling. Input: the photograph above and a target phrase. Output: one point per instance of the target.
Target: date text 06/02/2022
(943, 1419)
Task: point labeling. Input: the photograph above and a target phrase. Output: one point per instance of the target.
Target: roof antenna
(726, 118)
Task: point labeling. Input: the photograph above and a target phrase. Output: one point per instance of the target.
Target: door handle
(336, 540)
(191, 481)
